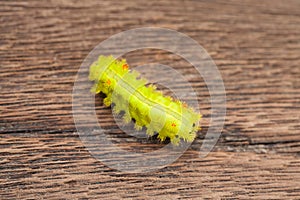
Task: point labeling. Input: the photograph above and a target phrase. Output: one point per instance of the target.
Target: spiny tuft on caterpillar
(147, 106)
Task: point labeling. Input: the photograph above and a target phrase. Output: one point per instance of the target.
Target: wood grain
(256, 46)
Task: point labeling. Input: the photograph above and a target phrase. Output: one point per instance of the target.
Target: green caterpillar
(160, 114)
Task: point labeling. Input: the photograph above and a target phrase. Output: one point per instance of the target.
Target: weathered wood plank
(256, 46)
(47, 166)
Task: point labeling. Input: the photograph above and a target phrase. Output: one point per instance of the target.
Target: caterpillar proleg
(160, 114)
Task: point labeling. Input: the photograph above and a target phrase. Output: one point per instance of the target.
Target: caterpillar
(123, 87)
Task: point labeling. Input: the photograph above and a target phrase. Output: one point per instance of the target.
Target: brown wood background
(256, 45)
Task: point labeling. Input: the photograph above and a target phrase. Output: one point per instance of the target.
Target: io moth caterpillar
(160, 114)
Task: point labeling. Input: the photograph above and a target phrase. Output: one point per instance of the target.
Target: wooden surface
(256, 45)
